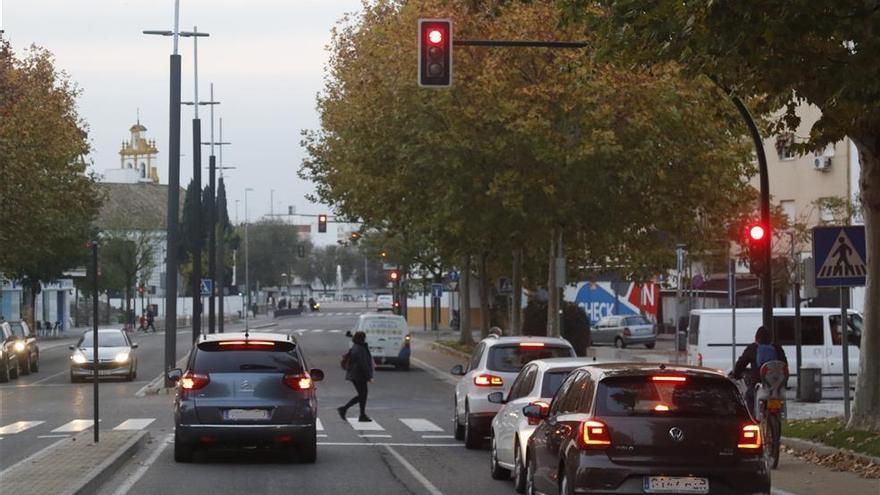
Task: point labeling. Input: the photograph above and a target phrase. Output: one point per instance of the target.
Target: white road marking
(53, 436)
(420, 425)
(75, 426)
(41, 380)
(446, 437)
(388, 444)
(367, 426)
(319, 425)
(129, 482)
(414, 472)
(318, 330)
(374, 435)
(777, 491)
(18, 427)
(135, 424)
(335, 331)
(321, 435)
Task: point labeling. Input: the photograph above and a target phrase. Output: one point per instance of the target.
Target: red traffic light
(757, 232)
(435, 36)
(394, 275)
(435, 53)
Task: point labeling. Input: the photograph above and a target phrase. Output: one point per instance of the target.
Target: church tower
(139, 154)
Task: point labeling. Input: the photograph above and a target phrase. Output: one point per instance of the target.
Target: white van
(709, 339)
(387, 337)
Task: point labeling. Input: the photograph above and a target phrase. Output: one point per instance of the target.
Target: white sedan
(536, 384)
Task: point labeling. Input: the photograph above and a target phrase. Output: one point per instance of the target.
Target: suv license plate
(251, 414)
(665, 484)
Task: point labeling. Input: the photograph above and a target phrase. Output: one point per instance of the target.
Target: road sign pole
(844, 343)
(95, 335)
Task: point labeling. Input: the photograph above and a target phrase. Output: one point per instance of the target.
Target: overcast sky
(265, 58)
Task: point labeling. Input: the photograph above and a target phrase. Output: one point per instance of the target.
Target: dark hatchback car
(25, 347)
(246, 390)
(645, 428)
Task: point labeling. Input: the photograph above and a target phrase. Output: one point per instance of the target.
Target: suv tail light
(594, 435)
(488, 381)
(545, 407)
(750, 441)
(298, 382)
(627, 332)
(194, 381)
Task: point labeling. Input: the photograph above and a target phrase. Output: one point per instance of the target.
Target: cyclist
(748, 366)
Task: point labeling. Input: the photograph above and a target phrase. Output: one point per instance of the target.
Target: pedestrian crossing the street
(397, 428)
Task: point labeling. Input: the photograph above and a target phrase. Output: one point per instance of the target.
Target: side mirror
(71, 347)
(348, 333)
(536, 411)
(316, 374)
(134, 345)
(174, 375)
(457, 370)
(496, 398)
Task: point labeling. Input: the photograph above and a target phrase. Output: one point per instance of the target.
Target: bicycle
(770, 407)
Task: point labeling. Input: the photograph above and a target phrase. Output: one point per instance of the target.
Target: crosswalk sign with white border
(840, 256)
(207, 286)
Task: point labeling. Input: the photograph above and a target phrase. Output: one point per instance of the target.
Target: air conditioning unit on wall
(822, 163)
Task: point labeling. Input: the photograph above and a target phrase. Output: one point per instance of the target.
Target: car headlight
(78, 358)
(19, 346)
(122, 357)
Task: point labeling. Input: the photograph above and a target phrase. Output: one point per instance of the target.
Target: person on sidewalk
(150, 318)
(358, 364)
(748, 366)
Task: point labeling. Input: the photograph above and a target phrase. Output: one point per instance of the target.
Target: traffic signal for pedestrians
(322, 223)
(759, 244)
(435, 52)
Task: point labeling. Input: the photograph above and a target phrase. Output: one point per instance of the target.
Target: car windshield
(215, 358)
(105, 339)
(511, 358)
(17, 329)
(692, 397)
(552, 381)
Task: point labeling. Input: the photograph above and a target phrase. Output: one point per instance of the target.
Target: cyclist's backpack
(765, 354)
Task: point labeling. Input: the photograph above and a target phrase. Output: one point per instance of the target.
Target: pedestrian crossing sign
(840, 256)
(207, 286)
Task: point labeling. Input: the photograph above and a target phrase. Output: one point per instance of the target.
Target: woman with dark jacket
(359, 371)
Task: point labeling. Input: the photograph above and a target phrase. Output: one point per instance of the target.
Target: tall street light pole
(215, 251)
(247, 285)
(173, 199)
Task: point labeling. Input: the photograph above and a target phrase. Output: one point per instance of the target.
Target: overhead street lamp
(247, 285)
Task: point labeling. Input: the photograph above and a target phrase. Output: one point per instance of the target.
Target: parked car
(8, 356)
(537, 383)
(26, 348)
(116, 356)
(645, 428)
(388, 338)
(246, 390)
(493, 366)
(710, 337)
(384, 302)
(622, 331)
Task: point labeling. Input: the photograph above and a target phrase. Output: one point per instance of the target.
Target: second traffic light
(322, 224)
(759, 244)
(435, 52)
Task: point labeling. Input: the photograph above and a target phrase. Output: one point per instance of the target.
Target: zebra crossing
(397, 427)
(320, 314)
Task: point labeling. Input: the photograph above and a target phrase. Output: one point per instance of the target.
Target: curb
(445, 349)
(266, 325)
(102, 472)
(156, 385)
(821, 448)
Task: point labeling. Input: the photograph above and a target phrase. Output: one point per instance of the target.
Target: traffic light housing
(758, 239)
(322, 224)
(301, 251)
(435, 53)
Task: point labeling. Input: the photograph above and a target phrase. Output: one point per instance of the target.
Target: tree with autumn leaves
(48, 198)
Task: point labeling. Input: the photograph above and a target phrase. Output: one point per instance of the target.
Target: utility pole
(247, 286)
(173, 200)
(220, 272)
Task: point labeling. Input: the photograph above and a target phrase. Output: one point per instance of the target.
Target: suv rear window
(512, 358)
(637, 320)
(695, 397)
(219, 357)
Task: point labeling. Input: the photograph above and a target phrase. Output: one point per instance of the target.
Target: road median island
(453, 349)
(72, 466)
(828, 443)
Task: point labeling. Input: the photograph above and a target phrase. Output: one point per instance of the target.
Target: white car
(388, 338)
(384, 302)
(492, 368)
(537, 383)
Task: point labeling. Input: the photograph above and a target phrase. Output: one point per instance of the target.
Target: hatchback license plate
(251, 414)
(665, 484)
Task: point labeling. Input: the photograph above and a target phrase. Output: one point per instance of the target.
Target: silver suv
(246, 390)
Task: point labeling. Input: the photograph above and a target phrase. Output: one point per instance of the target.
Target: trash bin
(810, 384)
(681, 340)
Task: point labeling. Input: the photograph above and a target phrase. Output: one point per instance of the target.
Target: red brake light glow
(435, 36)
(531, 344)
(594, 435)
(488, 381)
(661, 408)
(193, 381)
(668, 378)
(254, 343)
(750, 439)
(298, 382)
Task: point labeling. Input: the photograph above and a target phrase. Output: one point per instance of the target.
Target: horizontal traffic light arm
(523, 43)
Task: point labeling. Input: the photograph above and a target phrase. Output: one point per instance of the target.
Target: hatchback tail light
(594, 435)
(627, 332)
(750, 441)
(545, 407)
(298, 382)
(194, 381)
(488, 381)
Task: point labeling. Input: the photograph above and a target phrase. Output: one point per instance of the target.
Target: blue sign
(437, 290)
(454, 276)
(839, 255)
(207, 287)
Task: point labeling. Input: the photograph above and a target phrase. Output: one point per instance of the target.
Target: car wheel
(495, 470)
(565, 487)
(13, 373)
(618, 343)
(530, 476)
(457, 428)
(24, 366)
(4, 371)
(307, 453)
(519, 470)
(650, 345)
(472, 439)
(35, 364)
(182, 452)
